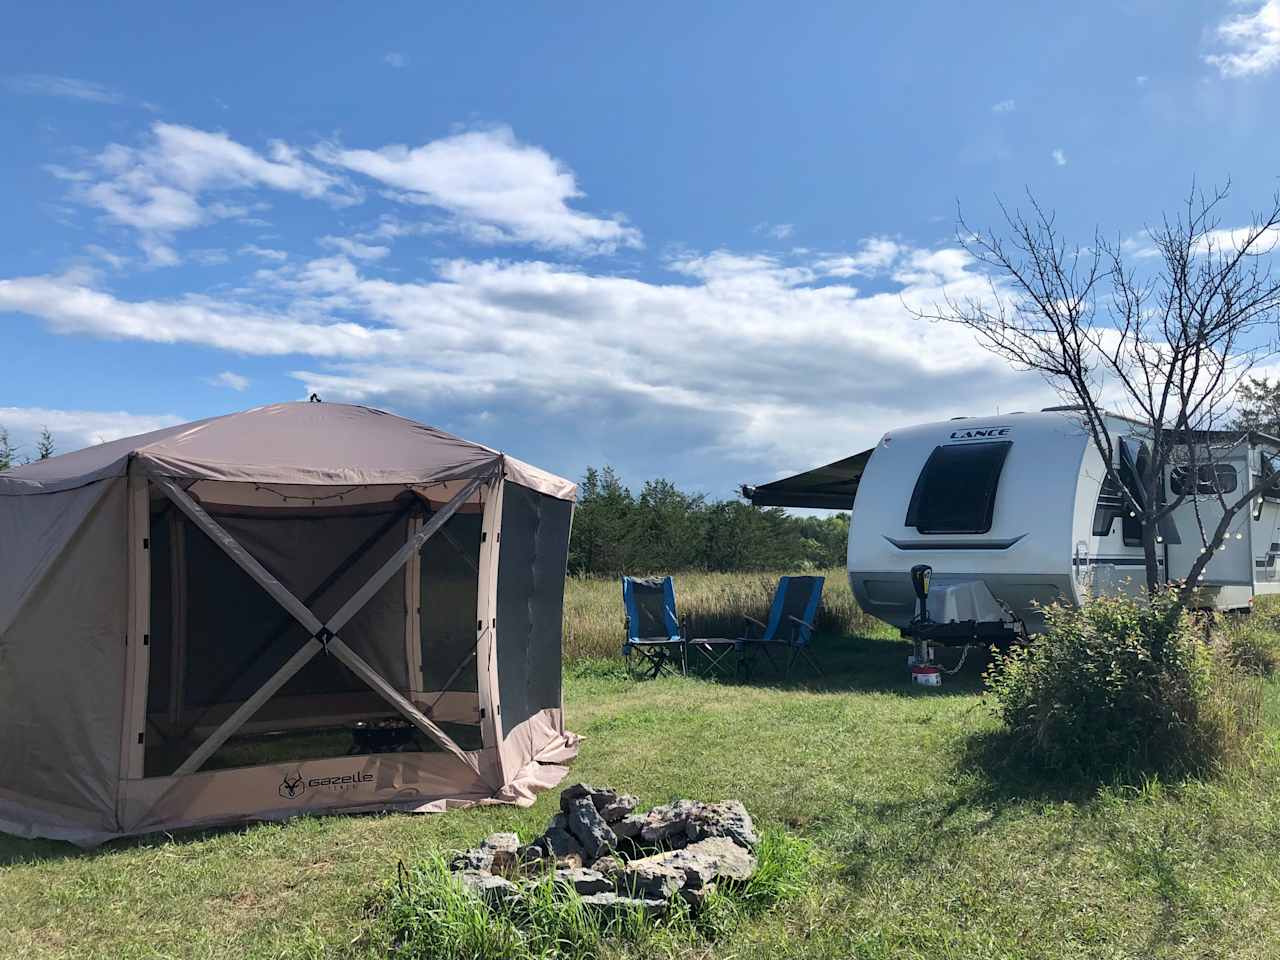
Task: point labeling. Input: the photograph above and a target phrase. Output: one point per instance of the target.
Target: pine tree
(8, 452)
(44, 446)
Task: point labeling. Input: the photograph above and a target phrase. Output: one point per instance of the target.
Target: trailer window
(956, 490)
(1227, 480)
(1133, 468)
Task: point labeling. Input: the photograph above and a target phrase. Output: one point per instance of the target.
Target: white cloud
(397, 60)
(752, 357)
(778, 231)
(264, 253)
(495, 189)
(1059, 157)
(49, 85)
(73, 429)
(158, 188)
(234, 381)
(1004, 106)
(874, 255)
(210, 257)
(1141, 79)
(1252, 42)
(355, 249)
(1230, 239)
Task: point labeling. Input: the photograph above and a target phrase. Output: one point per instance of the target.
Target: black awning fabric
(832, 487)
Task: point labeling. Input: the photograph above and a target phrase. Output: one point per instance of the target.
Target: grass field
(931, 846)
(714, 603)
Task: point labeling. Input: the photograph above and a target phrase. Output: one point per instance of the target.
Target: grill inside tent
(298, 607)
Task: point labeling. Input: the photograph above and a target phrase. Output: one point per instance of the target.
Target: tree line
(11, 455)
(663, 529)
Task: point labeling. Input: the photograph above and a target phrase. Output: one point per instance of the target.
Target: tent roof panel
(298, 443)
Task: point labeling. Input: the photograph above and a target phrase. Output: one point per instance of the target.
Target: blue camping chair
(655, 642)
(790, 628)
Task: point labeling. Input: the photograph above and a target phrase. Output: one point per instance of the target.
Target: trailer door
(1232, 563)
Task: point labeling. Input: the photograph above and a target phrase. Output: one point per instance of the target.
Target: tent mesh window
(217, 636)
(532, 559)
(449, 575)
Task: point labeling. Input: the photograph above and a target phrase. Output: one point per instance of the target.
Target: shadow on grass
(15, 851)
(860, 665)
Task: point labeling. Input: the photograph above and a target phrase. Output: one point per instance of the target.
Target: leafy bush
(1252, 642)
(1122, 685)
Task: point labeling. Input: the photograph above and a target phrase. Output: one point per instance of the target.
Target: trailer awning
(832, 487)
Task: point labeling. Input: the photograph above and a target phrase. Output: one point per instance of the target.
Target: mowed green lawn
(931, 846)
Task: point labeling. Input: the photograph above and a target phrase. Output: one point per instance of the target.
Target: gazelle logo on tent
(292, 785)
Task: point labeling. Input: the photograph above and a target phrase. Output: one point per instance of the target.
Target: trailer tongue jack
(923, 670)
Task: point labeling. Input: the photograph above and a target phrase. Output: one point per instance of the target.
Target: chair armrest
(803, 623)
(752, 620)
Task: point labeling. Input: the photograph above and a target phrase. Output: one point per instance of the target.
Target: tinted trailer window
(956, 490)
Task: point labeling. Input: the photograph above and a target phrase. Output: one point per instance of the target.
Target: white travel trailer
(1013, 512)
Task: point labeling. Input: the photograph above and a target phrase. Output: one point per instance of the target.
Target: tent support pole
(247, 709)
(178, 615)
(486, 629)
(283, 625)
(360, 668)
(322, 635)
(413, 610)
(246, 561)
(400, 557)
(138, 638)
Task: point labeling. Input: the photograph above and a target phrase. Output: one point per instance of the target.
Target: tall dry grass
(715, 604)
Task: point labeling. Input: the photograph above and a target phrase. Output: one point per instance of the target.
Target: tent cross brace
(324, 636)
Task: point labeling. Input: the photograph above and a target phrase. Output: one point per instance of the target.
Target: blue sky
(676, 238)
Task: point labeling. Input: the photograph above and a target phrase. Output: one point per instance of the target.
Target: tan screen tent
(301, 607)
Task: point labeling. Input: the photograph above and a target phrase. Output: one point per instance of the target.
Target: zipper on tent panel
(137, 654)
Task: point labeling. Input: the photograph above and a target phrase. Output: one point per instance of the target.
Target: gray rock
(621, 807)
(696, 868)
(614, 906)
(534, 858)
(669, 820)
(716, 858)
(599, 796)
(609, 866)
(691, 820)
(695, 897)
(563, 848)
(493, 890)
(590, 829)
(649, 879)
(476, 858)
(727, 819)
(628, 828)
(584, 881)
(502, 849)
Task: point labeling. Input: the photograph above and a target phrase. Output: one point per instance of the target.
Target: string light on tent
(284, 497)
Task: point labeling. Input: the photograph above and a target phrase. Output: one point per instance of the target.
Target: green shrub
(1251, 642)
(1119, 686)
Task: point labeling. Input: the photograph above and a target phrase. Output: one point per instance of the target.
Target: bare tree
(1166, 342)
